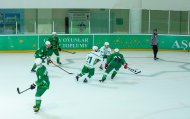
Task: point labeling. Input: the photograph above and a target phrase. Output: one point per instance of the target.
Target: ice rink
(160, 91)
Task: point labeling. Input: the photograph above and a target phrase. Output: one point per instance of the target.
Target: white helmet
(53, 33)
(116, 50)
(106, 43)
(47, 43)
(95, 48)
(38, 61)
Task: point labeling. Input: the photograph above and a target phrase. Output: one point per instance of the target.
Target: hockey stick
(18, 90)
(135, 71)
(61, 68)
(68, 51)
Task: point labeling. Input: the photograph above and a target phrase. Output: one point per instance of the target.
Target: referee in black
(154, 43)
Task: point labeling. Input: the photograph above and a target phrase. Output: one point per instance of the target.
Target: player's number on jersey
(117, 58)
(89, 59)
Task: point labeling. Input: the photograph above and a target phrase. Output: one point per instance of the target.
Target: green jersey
(42, 77)
(42, 52)
(54, 42)
(116, 59)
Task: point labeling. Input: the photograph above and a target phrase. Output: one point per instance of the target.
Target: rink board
(75, 42)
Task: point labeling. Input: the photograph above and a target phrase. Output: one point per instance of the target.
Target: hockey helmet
(47, 43)
(106, 43)
(54, 33)
(116, 50)
(95, 48)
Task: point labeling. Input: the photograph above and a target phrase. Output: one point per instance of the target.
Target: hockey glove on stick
(106, 66)
(125, 66)
(32, 86)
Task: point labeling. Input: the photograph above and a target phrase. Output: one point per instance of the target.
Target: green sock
(34, 66)
(38, 103)
(113, 74)
(104, 77)
(58, 59)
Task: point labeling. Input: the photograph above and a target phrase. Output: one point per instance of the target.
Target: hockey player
(42, 53)
(42, 83)
(105, 52)
(54, 40)
(114, 62)
(91, 59)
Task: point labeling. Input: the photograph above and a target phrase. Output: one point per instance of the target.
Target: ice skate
(33, 70)
(85, 80)
(77, 77)
(36, 109)
(59, 63)
(100, 81)
(112, 76)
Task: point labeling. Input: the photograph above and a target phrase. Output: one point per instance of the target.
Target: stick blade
(138, 72)
(18, 90)
(73, 52)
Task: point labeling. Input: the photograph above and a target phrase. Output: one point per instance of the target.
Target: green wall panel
(124, 41)
(31, 42)
(18, 42)
(174, 42)
(143, 41)
(71, 41)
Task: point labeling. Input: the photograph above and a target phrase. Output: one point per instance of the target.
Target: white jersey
(105, 51)
(91, 58)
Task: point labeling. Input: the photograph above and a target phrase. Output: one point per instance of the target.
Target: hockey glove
(49, 61)
(59, 49)
(42, 84)
(125, 66)
(106, 66)
(32, 86)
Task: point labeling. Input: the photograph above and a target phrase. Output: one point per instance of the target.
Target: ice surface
(160, 91)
